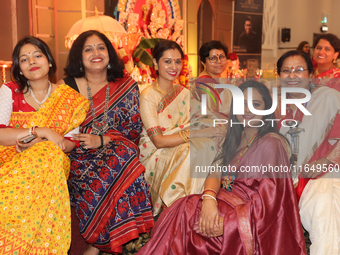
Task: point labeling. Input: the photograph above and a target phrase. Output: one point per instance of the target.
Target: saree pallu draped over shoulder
(170, 172)
(34, 199)
(329, 78)
(260, 213)
(107, 185)
(320, 197)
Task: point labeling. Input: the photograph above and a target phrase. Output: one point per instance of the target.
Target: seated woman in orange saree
(34, 199)
(253, 212)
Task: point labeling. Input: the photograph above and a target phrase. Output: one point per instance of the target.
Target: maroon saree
(260, 213)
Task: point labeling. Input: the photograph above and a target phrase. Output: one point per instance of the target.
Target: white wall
(303, 17)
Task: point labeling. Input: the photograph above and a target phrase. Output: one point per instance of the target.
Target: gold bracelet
(187, 133)
(208, 199)
(210, 190)
(187, 138)
(181, 135)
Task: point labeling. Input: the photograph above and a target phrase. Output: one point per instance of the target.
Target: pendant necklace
(47, 95)
(99, 126)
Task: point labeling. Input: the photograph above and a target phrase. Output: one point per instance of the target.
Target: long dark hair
(75, 67)
(234, 133)
(301, 44)
(21, 80)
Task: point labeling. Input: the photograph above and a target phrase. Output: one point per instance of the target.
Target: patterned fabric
(154, 131)
(34, 199)
(107, 185)
(169, 98)
(170, 172)
(329, 78)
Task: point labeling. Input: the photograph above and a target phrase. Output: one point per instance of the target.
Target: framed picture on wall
(247, 33)
(250, 62)
(254, 6)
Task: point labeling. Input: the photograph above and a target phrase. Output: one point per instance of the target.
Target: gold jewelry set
(159, 88)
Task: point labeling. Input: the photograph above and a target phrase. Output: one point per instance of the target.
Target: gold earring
(334, 61)
(156, 67)
(50, 65)
(20, 73)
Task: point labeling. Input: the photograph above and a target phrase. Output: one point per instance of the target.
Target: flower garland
(127, 63)
(184, 75)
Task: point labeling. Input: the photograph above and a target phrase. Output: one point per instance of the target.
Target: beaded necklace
(99, 126)
(47, 95)
(245, 149)
(228, 180)
(169, 115)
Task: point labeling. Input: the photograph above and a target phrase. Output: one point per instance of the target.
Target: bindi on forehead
(174, 59)
(93, 45)
(217, 54)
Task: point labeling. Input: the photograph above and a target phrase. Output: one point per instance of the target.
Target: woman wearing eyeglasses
(213, 56)
(317, 149)
(326, 52)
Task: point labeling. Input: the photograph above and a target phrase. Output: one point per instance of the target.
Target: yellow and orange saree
(34, 200)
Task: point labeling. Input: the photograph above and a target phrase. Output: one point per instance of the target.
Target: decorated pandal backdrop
(140, 25)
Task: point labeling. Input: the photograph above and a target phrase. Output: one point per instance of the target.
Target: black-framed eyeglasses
(296, 70)
(214, 59)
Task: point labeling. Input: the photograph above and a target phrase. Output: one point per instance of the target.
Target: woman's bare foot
(91, 250)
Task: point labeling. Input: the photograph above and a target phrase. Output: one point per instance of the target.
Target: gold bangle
(208, 199)
(187, 138)
(181, 135)
(187, 133)
(210, 190)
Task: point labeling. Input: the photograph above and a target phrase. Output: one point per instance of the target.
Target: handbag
(270, 73)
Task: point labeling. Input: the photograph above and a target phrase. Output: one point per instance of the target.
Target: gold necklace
(169, 115)
(160, 90)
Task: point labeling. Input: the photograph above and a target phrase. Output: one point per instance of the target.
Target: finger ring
(83, 145)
